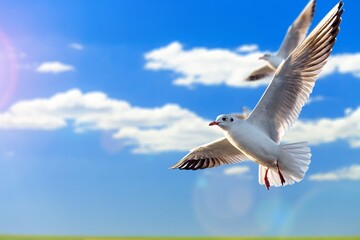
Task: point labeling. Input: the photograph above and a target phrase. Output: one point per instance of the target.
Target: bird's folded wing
(294, 80)
(260, 73)
(211, 155)
(297, 31)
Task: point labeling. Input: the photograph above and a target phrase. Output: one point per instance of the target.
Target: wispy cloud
(217, 66)
(247, 48)
(54, 67)
(158, 129)
(236, 170)
(346, 173)
(318, 98)
(76, 46)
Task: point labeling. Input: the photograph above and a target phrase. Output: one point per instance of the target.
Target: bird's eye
(231, 119)
(224, 119)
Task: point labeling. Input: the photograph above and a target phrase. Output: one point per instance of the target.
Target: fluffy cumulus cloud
(206, 66)
(326, 130)
(165, 128)
(346, 63)
(54, 67)
(149, 130)
(346, 173)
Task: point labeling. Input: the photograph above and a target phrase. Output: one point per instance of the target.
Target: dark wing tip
(313, 9)
(340, 8)
(341, 4)
(255, 77)
(189, 165)
(339, 14)
(196, 164)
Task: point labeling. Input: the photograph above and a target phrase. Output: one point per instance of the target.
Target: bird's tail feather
(293, 167)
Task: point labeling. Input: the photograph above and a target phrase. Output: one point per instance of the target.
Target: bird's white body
(254, 143)
(293, 159)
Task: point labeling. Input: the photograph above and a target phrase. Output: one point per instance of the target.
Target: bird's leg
(267, 183)
(282, 179)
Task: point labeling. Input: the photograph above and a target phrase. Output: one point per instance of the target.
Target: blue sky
(98, 100)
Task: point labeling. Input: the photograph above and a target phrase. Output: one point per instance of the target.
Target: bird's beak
(261, 58)
(213, 123)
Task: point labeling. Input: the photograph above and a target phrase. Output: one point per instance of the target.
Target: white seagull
(295, 35)
(257, 137)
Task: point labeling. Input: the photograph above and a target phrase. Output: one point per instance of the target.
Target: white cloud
(247, 48)
(222, 66)
(181, 135)
(165, 128)
(76, 46)
(206, 66)
(236, 170)
(346, 173)
(54, 67)
(326, 130)
(317, 98)
(158, 129)
(346, 63)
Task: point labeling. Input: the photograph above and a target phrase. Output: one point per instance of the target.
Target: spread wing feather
(210, 155)
(297, 31)
(294, 80)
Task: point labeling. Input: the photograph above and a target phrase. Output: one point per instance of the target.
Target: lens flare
(221, 203)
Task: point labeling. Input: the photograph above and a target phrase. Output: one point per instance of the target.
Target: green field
(5, 237)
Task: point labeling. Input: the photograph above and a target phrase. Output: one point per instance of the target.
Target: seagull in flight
(295, 35)
(257, 137)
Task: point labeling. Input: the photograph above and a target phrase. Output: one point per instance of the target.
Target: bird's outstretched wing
(297, 31)
(294, 80)
(211, 155)
(260, 73)
(295, 35)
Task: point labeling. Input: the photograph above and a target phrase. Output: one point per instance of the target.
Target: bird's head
(224, 121)
(266, 56)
